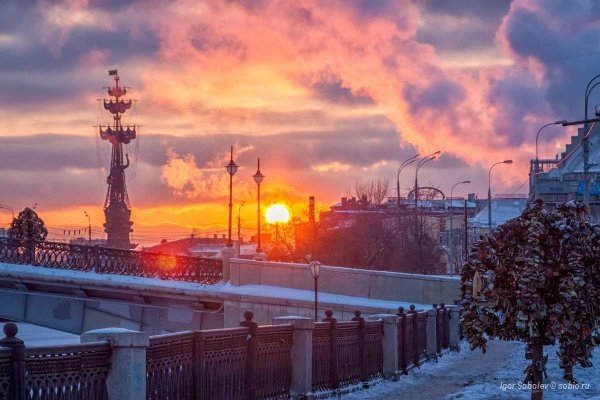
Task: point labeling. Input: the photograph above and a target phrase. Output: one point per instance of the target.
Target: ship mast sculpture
(117, 209)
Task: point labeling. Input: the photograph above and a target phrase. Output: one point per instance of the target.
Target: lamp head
(507, 161)
(315, 268)
(466, 182)
(258, 177)
(561, 122)
(232, 167)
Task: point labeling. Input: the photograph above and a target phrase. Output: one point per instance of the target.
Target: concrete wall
(80, 315)
(369, 284)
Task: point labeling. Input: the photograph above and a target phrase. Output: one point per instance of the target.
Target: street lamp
(231, 168)
(537, 161)
(258, 178)
(315, 271)
(451, 238)
(490, 191)
(422, 162)
(404, 164)
(89, 228)
(585, 142)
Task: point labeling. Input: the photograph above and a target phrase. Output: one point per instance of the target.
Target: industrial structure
(117, 209)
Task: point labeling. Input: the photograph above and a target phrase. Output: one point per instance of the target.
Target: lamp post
(404, 164)
(231, 168)
(422, 162)
(89, 228)
(451, 238)
(258, 178)
(537, 161)
(490, 191)
(585, 142)
(315, 271)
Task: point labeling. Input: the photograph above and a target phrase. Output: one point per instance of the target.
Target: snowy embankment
(35, 335)
(470, 375)
(221, 290)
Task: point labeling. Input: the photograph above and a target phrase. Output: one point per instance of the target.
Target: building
(209, 247)
(561, 179)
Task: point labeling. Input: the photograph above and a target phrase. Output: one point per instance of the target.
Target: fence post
(431, 333)
(127, 375)
(301, 387)
(18, 385)
(250, 354)
(335, 381)
(446, 320)
(415, 335)
(402, 352)
(228, 254)
(362, 342)
(390, 344)
(96, 259)
(31, 252)
(454, 328)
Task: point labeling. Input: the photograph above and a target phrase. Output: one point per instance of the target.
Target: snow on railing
(105, 260)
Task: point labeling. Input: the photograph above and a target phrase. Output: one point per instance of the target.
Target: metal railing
(249, 362)
(104, 260)
(346, 353)
(75, 371)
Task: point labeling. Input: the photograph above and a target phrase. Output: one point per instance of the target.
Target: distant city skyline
(324, 92)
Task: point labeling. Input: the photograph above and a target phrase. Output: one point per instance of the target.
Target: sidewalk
(471, 375)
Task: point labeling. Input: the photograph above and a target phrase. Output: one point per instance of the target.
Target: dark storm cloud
(440, 95)
(518, 96)
(334, 92)
(566, 44)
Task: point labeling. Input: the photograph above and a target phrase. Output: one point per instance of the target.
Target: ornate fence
(5, 373)
(442, 328)
(346, 353)
(73, 372)
(105, 260)
(169, 367)
(244, 363)
(249, 362)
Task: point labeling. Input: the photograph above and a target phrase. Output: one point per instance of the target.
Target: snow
(221, 290)
(34, 335)
(111, 330)
(471, 375)
(308, 296)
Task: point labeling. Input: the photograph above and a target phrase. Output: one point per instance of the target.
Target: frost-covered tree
(536, 279)
(28, 226)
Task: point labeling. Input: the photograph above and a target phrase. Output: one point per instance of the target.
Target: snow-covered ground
(34, 335)
(471, 375)
(219, 290)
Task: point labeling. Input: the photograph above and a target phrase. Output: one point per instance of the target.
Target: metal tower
(117, 208)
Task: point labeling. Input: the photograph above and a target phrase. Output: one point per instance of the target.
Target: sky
(326, 93)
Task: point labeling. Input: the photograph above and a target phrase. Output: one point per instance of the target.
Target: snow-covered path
(472, 375)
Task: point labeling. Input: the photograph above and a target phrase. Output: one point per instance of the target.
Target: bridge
(80, 288)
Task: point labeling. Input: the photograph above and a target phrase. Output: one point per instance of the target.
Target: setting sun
(277, 213)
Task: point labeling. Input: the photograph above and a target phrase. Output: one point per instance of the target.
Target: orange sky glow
(326, 93)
